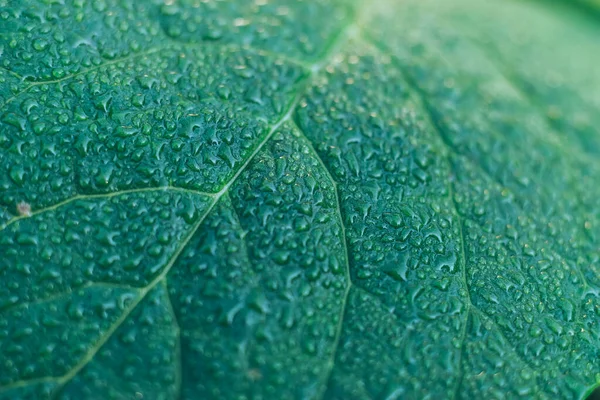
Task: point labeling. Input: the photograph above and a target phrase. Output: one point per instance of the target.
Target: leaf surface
(324, 199)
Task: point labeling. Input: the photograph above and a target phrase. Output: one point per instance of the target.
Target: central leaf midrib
(64, 379)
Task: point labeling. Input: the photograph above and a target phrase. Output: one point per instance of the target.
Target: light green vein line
(48, 299)
(577, 157)
(82, 72)
(336, 341)
(499, 330)
(63, 380)
(109, 285)
(494, 180)
(13, 73)
(66, 378)
(515, 82)
(66, 293)
(349, 32)
(471, 307)
(423, 106)
(238, 221)
(469, 304)
(463, 254)
(144, 291)
(102, 196)
(173, 46)
(578, 271)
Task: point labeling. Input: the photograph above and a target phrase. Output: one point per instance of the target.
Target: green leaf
(299, 199)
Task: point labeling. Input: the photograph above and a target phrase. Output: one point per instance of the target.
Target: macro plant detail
(277, 199)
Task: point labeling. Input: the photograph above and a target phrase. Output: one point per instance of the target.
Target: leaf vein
(13, 73)
(63, 380)
(451, 148)
(330, 364)
(422, 103)
(501, 333)
(470, 306)
(65, 293)
(99, 196)
(173, 45)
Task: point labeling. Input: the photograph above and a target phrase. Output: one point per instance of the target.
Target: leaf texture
(293, 199)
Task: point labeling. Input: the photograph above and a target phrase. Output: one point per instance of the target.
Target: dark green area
(282, 199)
